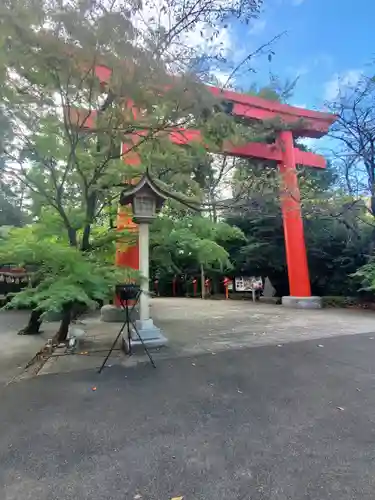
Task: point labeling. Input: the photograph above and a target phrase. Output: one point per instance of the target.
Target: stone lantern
(146, 200)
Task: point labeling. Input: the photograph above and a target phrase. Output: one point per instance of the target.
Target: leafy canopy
(61, 274)
(73, 67)
(185, 244)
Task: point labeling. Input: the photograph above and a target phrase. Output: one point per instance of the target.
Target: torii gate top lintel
(313, 124)
(308, 123)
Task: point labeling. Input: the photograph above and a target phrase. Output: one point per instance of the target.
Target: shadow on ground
(293, 422)
(17, 350)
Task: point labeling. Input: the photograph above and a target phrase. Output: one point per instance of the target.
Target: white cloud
(323, 59)
(309, 142)
(297, 71)
(341, 81)
(257, 26)
(302, 70)
(221, 75)
(202, 37)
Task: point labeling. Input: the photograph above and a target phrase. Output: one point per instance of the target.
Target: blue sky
(326, 40)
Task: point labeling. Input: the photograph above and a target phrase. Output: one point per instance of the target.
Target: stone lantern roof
(145, 187)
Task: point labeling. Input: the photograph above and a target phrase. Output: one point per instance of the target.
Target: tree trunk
(214, 212)
(32, 328)
(86, 238)
(203, 288)
(215, 285)
(90, 212)
(72, 235)
(64, 325)
(78, 309)
(372, 210)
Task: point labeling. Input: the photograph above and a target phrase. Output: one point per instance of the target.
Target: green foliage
(339, 301)
(49, 55)
(183, 245)
(62, 274)
(353, 132)
(10, 214)
(276, 90)
(336, 240)
(365, 276)
(334, 252)
(263, 253)
(71, 127)
(336, 248)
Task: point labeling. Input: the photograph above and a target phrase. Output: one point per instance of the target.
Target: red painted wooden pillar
(195, 285)
(298, 272)
(127, 255)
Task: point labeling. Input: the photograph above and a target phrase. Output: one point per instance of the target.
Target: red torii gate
(304, 123)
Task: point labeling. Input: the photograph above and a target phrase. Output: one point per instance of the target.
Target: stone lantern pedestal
(151, 334)
(147, 200)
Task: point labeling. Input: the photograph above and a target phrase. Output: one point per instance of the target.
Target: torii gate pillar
(295, 248)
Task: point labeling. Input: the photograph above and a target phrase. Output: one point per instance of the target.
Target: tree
(364, 277)
(67, 69)
(354, 134)
(335, 236)
(12, 194)
(334, 250)
(69, 72)
(263, 254)
(276, 90)
(62, 275)
(86, 83)
(10, 214)
(192, 245)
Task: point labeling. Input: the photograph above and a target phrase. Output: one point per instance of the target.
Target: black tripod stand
(127, 293)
